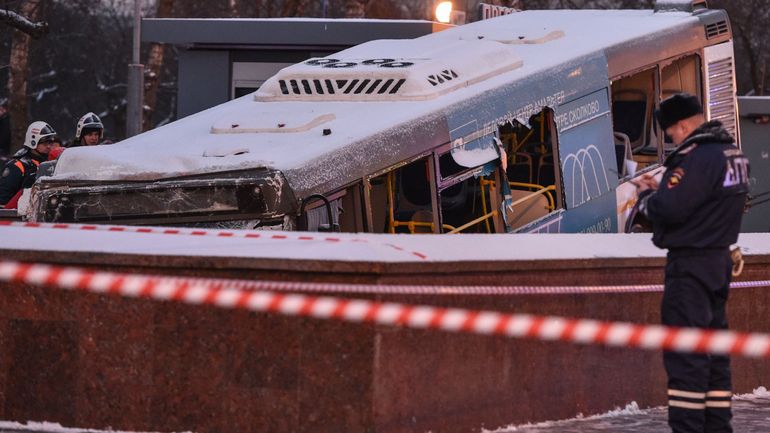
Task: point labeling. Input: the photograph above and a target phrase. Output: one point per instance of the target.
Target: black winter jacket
(702, 195)
(18, 173)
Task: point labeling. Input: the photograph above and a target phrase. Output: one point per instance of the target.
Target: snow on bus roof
(196, 144)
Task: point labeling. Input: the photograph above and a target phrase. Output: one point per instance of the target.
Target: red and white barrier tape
(581, 331)
(380, 289)
(248, 234)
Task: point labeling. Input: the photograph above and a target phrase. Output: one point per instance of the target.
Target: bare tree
(354, 9)
(154, 67)
(234, 9)
(294, 8)
(19, 71)
(387, 9)
(21, 23)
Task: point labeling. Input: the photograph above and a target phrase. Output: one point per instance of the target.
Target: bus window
(532, 173)
(402, 199)
(345, 206)
(470, 197)
(682, 75)
(633, 101)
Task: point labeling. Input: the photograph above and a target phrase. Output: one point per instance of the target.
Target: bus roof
(320, 140)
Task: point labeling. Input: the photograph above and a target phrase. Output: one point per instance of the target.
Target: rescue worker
(696, 214)
(89, 131)
(57, 148)
(20, 171)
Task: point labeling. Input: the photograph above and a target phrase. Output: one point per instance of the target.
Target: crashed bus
(537, 121)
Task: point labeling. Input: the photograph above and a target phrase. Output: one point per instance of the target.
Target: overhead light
(444, 12)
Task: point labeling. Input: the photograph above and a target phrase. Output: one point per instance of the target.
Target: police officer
(20, 171)
(696, 214)
(89, 131)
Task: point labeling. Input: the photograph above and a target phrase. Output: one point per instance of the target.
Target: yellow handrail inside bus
(532, 186)
(412, 224)
(545, 190)
(474, 222)
(486, 214)
(516, 145)
(391, 218)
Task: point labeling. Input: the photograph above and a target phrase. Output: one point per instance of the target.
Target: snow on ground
(751, 414)
(46, 427)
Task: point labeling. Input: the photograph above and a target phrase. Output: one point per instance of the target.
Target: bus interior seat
(411, 192)
(423, 216)
(545, 170)
(527, 211)
(520, 169)
(631, 112)
(651, 149)
(414, 184)
(622, 152)
(455, 197)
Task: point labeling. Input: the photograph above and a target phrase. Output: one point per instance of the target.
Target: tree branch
(19, 22)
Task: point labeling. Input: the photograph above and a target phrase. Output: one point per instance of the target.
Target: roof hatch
(388, 70)
(273, 121)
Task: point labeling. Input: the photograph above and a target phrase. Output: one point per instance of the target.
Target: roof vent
(715, 29)
(680, 5)
(395, 70)
(354, 86)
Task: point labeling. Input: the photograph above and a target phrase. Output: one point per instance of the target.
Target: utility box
(222, 59)
(755, 140)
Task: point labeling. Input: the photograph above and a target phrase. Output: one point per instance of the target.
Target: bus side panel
(586, 149)
(589, 166)
(478, 118)
(594, 216)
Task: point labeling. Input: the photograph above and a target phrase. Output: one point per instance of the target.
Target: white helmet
(37, 132)
(89, 121)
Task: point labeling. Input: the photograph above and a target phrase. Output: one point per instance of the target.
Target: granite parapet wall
(98, 361)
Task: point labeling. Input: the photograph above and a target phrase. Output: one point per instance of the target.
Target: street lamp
(135, 96)
(443, 11)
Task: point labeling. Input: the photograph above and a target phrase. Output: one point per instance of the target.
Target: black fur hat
(677, 107)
